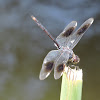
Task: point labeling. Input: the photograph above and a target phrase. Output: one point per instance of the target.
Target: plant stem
(71, 88)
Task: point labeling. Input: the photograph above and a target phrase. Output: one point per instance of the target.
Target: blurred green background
(23, 46)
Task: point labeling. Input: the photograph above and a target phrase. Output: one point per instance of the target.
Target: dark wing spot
(49, 66)
(60, 68)
(83, 29)
(68, 32)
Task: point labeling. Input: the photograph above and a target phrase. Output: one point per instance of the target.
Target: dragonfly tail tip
(33, 17)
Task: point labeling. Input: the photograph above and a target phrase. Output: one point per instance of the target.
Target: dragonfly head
(74, 59)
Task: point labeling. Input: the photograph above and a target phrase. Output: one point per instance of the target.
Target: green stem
(71, 88)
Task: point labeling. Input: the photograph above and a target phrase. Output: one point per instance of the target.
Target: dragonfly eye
(77, 59)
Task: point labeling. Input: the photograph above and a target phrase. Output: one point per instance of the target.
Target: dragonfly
(65, 42)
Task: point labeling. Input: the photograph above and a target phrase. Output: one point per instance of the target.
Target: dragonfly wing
(64, 37)
(79, 33)
(60, 64)
(48, 64)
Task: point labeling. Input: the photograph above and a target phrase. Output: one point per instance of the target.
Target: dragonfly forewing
(75, 38)
(65, 36)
